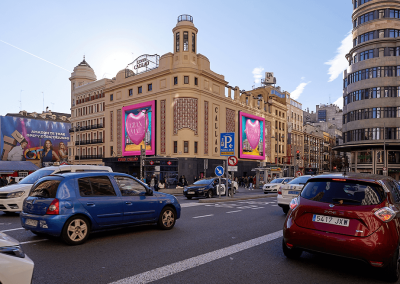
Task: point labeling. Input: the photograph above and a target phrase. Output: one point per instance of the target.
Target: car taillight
(386, 214)
(53, 208)
(280, 190)
(293, 204)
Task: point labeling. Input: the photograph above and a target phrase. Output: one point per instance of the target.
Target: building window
(111, 97)
(195, 147)
(185, 146)
(175, 147)
(193, 42)
(177, 42)
(139, 90)
(185, 41)
(149, 87)
(111, 126)
(130, 92)
(111, 151)
(175, 80)
(186, 79)
(196, 82)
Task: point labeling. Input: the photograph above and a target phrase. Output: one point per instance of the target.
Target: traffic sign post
(227, 148)
(232, 161)
(219, 171)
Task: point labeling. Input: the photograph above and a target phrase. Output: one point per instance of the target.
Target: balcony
(71, 130)
(87, 142)
(89, 157)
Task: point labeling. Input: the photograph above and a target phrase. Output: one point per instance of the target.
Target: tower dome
(82, 74)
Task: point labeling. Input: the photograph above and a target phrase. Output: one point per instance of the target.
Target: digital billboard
(42, 142)
(251, 136)
(139, 128)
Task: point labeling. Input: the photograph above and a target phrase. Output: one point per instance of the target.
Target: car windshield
(33, 177)
(277, 180)
(299, 180)
(344, 192)
(203, 181)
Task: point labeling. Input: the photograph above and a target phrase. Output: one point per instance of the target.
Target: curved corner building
(371, 89)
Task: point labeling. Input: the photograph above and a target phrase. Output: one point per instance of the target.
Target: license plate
(331, 220)
(30, 222)
(190, 192)
(293, 192)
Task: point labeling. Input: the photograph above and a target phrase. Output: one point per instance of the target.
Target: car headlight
(13, 250)
(15, 194)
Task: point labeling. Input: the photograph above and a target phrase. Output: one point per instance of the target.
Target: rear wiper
(345, 199)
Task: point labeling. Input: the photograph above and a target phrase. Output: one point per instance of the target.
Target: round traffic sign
(219, 171)
(232, 161)
(384, 168)
(169, 163)
(298, 173)
(151, 163)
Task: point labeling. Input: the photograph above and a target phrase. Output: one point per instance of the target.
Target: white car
(274, 185)
(291, 190)
(15, 266)
(12, 196)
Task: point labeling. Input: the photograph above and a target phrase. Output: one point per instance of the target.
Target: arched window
(177, 42)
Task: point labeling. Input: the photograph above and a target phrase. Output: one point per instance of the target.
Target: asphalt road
(230, 242)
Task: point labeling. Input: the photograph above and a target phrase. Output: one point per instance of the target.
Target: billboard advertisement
(42, 142)
(251, 136)
(139, 128)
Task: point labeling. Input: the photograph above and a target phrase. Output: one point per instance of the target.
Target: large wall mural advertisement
(139, 128)
(252, 138)
(39, 141)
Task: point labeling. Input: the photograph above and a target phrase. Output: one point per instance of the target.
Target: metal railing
(185, 18)
(89, 157)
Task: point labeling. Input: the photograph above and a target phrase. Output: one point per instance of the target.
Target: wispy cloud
(257, 74)
(299, 90)
(339, 102)
(339, 63)
(35, 56)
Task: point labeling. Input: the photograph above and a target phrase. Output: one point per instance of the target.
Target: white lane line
(234, 211)
(13, 229)
(192, 204)
(259, 207)
(274, 205)
(203, 216)
(33, 241)
(171, 269)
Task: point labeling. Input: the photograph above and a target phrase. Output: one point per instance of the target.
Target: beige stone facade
(194, 105)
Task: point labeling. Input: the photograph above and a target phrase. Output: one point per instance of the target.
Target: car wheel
(285, 209)
(76, 230)
(392, 271)
(167, 219)
(209, 194)
(292, 253)
(188, 197)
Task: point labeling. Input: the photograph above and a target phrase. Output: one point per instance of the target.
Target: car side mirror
(149, 192)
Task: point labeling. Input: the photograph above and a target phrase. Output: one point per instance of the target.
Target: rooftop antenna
(20, 100)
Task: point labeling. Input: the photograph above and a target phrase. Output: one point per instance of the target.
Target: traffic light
(297, 155)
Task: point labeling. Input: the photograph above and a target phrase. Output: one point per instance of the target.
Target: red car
(353, 215)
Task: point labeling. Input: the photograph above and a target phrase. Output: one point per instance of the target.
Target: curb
(225, 199)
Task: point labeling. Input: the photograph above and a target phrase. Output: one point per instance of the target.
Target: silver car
(274, 185)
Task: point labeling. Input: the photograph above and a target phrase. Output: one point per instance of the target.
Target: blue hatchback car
(75, 204)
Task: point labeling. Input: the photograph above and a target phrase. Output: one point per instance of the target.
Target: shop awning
(12, 166)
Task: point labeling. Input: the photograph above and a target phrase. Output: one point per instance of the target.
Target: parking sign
(227, 144)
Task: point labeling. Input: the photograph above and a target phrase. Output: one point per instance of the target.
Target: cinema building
(175, 107)
(371, 111)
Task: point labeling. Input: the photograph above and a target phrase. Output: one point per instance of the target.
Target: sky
(302, 42)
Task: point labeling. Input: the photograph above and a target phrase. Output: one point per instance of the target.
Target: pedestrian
(153, 183)
(246, 182)
(195, 179)
(12, 180)
(3, 181)
(250, 183)
(184, 181)
(254, 181)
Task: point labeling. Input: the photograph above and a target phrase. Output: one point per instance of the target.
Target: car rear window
(96, 186)
(46, 189)
(299, 180)
(343, 192)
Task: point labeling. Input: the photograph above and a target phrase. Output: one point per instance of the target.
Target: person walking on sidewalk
(251, 183)
(254, 182)
(246, 182)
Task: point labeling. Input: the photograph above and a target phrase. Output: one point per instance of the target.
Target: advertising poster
(39, 141)
(251, 136)
(139, 128)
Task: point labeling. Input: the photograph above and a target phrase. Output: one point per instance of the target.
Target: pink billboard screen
(251, 136)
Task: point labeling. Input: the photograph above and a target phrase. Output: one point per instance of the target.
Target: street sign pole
(226, 177)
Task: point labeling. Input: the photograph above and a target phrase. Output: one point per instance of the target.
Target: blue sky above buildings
(42, 41)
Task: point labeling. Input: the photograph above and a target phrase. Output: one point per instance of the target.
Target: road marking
(33, 241)
(234, 211)
(274, 205)
(13, 229)
(192, 204)
(259, 207)
(171, 269)
(203, 216)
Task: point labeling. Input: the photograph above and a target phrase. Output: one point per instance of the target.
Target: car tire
(209, 194)
(167, 218)
(292, 253)
(392, 271)
(285, 209)
(189, 197)
(81, 225)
